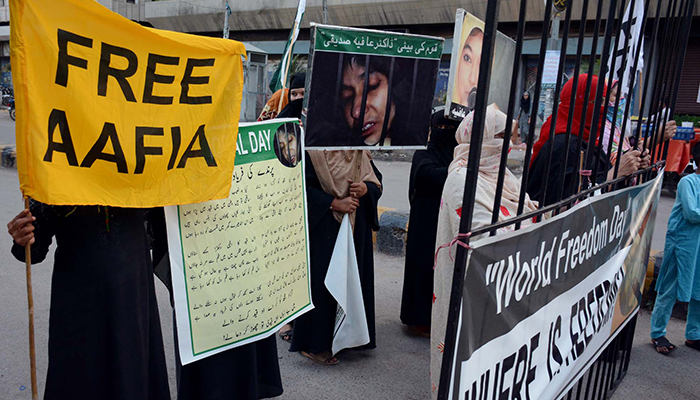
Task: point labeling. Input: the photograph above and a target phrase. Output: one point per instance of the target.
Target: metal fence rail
(667, 40)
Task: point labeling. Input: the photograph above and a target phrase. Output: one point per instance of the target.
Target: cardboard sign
(240, 266)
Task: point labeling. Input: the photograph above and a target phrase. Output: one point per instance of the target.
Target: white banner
(540, 304)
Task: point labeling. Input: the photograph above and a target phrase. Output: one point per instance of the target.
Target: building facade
(265, 24)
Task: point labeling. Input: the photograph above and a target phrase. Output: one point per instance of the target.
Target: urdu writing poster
(240, 266)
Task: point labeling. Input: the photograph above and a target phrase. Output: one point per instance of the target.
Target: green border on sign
(241, 160)
(379, 43)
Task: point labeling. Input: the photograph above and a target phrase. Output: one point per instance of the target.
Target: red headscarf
(563, 112)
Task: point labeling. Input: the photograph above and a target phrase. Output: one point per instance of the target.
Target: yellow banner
(113, 113)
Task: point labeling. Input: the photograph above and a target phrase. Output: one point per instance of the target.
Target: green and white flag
(279, 78)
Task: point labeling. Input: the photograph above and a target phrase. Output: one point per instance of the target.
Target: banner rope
(459, 240)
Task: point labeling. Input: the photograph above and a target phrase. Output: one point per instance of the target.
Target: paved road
(397, 369)
(7, 128)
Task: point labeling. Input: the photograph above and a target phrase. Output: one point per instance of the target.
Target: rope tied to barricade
(460, 240)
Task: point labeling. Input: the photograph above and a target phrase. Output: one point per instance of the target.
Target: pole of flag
(279, 79)
(227, 13)
(30, 309)
(325, 12)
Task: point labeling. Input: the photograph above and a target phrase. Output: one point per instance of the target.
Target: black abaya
(105, 340)
(313, 331)
(248, 372)
(428, 178)
(536, 182)
(428, 175)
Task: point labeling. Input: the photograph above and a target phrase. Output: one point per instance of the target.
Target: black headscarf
(292, 109)
(525, 103)
(436, 158)
(298, 81)
(442, 138)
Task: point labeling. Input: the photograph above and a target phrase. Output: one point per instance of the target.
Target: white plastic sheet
(343, 282)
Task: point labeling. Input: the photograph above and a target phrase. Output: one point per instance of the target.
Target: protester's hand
(670, 130)
(646, 160)
(630, 162)
(346, 206)
(21, 228)
(358, 189)
(515, 132)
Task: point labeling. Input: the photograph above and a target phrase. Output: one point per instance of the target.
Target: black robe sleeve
(370, 200)
(535, 185)
(44, 229)
(318, 201)
(429, 175)
(155, 218)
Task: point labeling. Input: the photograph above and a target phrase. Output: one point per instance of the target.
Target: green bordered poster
(368, 88)
(240, 265)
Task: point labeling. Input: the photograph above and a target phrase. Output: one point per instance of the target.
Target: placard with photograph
(465, 64)
(369, 88)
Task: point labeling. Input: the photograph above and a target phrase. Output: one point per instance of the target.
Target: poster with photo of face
(466, 63)
(369, 88)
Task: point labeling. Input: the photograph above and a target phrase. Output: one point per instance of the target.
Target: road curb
(393, 227)
(9, 156)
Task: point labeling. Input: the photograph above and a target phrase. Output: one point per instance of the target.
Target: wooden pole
(286, 70)
(30, 306)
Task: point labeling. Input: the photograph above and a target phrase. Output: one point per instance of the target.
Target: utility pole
(227, 12)
(325, 12)
(552, 45)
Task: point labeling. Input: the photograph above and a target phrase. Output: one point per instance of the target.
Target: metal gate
(667, 26)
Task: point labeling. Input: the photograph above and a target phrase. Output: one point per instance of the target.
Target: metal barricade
(670, 22)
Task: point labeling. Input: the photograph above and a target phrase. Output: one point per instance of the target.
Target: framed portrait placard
(369, 88)
(465, 63)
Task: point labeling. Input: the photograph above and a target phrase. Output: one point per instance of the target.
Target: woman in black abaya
(335, 187)
(428, 175)
(105, 340)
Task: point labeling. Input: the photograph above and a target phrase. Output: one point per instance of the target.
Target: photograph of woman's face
(397, 92)
(352, 90)
(468, 67)
(287, 145)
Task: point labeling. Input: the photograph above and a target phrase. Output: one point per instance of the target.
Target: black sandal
(695, 344)
(663, 342)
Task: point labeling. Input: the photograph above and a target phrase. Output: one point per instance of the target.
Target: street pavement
(397, 369)
(7, 128)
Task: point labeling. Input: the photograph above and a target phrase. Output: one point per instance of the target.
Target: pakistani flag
(279, 78)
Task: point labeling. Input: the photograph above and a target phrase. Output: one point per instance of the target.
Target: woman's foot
(286, 332)
(323, 358)
(663, 346)
(693, 344)
(421, 330)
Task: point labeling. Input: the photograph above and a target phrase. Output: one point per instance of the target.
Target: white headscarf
(489, 164)
(451, 213)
